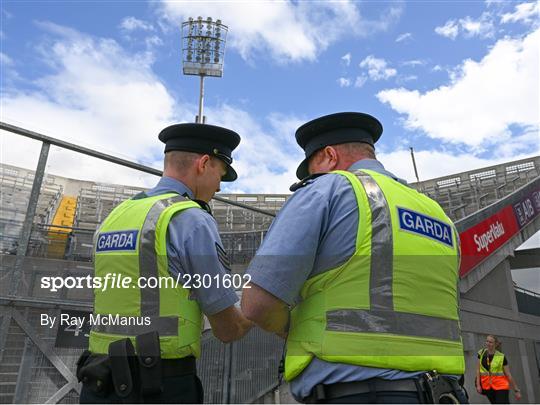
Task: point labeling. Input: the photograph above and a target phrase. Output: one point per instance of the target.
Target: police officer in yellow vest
(163, 240)
(359, 272)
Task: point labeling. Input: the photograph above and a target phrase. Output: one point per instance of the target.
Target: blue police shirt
(314, 232)
(194, 249)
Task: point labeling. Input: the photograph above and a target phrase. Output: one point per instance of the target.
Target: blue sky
(457, 80)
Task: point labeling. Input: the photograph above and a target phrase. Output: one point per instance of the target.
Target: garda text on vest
(424, 225)
(114, 241)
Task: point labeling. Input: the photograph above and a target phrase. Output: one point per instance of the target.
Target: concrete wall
(500, 294)
(490, 308)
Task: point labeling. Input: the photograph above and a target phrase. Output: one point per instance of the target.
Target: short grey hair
(180, 160)
(356, 149)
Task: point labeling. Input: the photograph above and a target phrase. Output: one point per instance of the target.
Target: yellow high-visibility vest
(131, 242)
(394, 303)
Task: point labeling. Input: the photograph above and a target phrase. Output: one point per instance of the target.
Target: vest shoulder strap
(139, 196)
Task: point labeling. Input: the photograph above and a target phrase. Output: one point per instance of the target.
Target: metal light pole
(414, 164)
(203, 52)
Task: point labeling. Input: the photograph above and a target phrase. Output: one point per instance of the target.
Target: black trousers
(498, 396)
(391, 397)
(185, 389)
(380, 397)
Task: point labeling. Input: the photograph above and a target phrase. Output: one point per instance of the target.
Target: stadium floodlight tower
(203, 52)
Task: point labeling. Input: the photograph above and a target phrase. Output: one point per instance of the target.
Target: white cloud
(132, 24)
(524, 12)
(377, 69)
(284, 30)
(344, 82)
(360, 81)
(405, 79)
(432, 164)
(5, 60)
(153, 40)
(450, 29)
(346, 59)
(99, 96)
(268, 155)
(483, 100)
(482, 27)
(404, 37)
(414, 63)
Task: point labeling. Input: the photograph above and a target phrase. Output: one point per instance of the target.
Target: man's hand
(266, 310)
(230, 324)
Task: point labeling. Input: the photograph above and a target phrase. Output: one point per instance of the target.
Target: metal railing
(32, 367)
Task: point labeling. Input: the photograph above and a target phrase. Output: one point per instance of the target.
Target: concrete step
(8, 377)
(15, 344)
(6, 398)
(9, 368)
(11, 359)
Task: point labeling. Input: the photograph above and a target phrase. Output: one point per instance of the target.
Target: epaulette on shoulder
(305, 181)
(204, 205)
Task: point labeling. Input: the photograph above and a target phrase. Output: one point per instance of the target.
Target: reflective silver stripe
(458, 256)
(382, 252)
(388, 321)
(381, 317)
(164, 325)
(492, 374)
(148, 265)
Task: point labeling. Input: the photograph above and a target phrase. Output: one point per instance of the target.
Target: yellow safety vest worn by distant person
(394, 303)
(131, 242)
(494, 377)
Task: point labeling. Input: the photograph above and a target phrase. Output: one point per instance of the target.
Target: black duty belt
(338, 390)
(177, 367)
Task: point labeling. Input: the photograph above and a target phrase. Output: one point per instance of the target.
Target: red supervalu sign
(484, 238)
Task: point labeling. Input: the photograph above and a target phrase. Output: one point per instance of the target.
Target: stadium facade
(46, 231)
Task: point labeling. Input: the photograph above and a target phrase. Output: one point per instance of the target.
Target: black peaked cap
(334, 129)
(203, 138)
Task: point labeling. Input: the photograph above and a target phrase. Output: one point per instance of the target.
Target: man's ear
(331, 154)
(202, 163)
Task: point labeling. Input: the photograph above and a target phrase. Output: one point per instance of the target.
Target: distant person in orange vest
(493, 377)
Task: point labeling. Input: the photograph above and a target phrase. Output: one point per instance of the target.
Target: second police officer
(359, 272)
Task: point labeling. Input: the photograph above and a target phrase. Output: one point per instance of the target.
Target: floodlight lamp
(203, 46)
